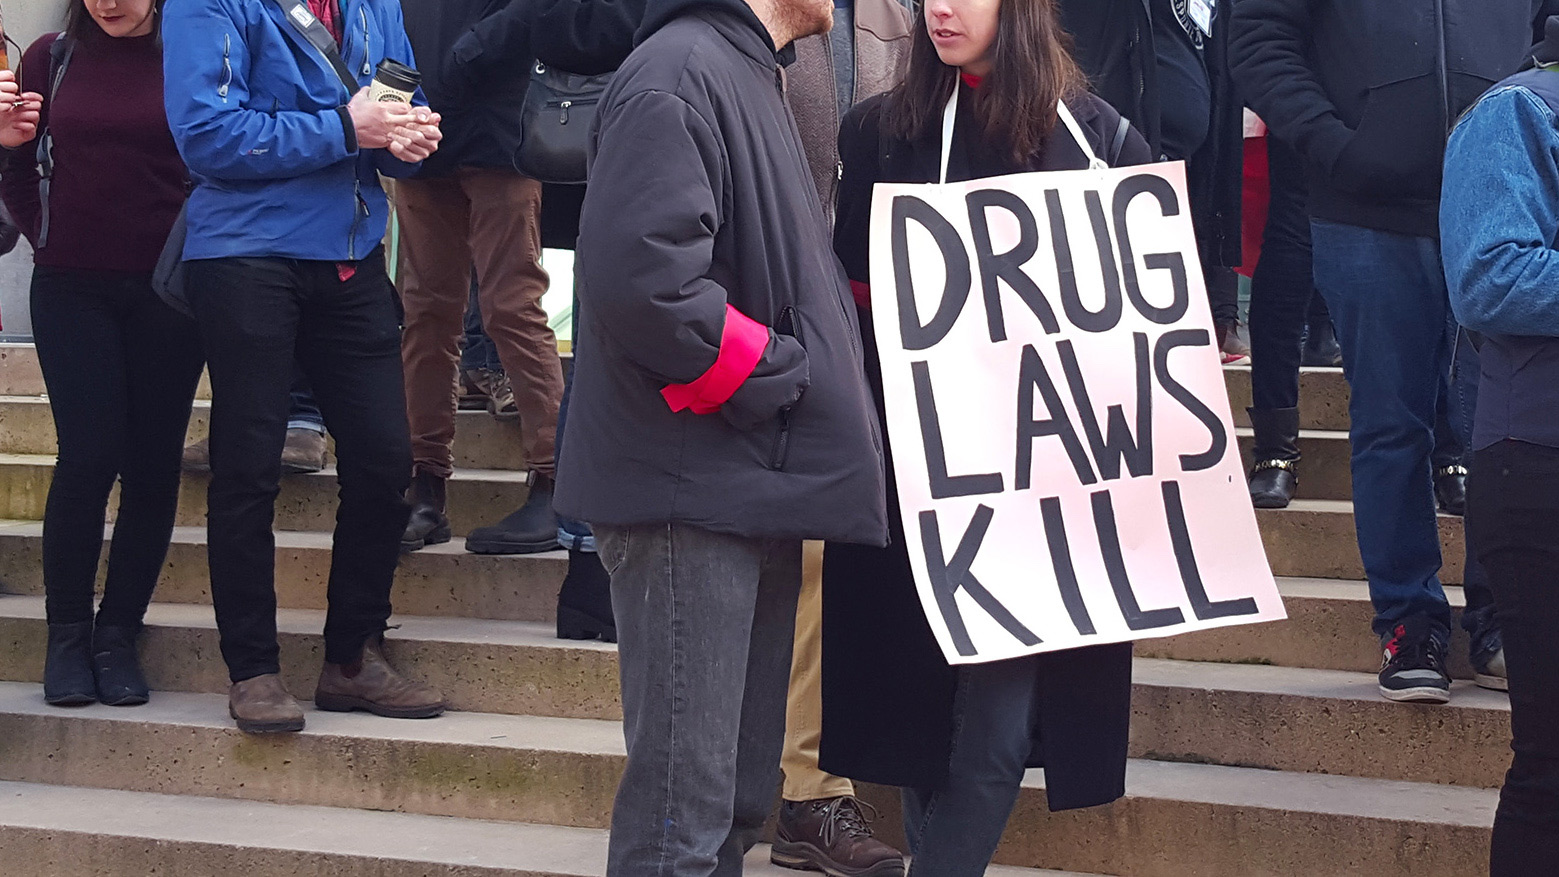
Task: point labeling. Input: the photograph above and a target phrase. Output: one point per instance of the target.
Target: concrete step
(27, 427)
(1323, 397)
(50, 831)
(1328, 628)
(441, 580)
(1324, 468)
(477, 497)
(1177, 819)
(1315, 538)
(1313, 720)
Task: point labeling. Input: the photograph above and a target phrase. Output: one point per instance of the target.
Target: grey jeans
(705, 624)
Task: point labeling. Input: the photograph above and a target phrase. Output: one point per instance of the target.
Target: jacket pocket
(789, 323)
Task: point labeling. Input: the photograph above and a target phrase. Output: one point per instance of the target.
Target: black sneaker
(1413, 669)
(1488, 661)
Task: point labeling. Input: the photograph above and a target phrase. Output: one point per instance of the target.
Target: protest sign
(1066, 463)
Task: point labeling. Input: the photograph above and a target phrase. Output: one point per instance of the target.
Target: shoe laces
(846, 817)
(1414, 651)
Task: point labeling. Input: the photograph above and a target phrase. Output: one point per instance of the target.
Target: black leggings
(1513, 516)
(121, 368)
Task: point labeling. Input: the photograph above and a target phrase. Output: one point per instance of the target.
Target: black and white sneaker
(1488, 660)
(1413, 669)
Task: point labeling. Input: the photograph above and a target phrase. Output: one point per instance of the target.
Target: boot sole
(1427, 694)
(487, 547)
(126, 700)
(437, 537)
(339, 703)
(1270, 503)
(249, 726)
(70, 699)
(295, 469)
(576, 625)
(805, 857)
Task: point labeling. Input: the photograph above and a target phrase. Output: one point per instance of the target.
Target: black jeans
(1513, 513)
(1282, 287)
(258, 316)
(121, 369)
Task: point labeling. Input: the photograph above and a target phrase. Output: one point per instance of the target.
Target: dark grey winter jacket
(700, 197)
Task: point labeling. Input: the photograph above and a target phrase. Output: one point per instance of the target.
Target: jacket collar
(734, 19)
(883, 19)
(1547, 51)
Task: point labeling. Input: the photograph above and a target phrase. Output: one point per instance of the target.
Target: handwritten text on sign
(1066, 464)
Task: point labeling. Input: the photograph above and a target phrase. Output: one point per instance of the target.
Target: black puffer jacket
(699, 198)
(1367, 91)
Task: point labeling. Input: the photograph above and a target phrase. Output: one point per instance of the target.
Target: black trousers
(1282, 296)
(258, 317)
(1513, 514)
(121, 369)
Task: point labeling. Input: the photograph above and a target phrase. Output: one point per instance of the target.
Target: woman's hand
(416, 141)
(18, 112)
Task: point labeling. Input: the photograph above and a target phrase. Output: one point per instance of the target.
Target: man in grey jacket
(721, 416)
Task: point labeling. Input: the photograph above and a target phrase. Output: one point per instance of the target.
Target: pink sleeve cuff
(862, 293)
(742, 343)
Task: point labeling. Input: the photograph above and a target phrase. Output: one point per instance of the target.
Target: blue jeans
(953, 831)
(477, 351)
(302, 410)
(1388, 300)
(705, 624)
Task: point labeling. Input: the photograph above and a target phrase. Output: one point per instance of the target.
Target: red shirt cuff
(742, 343)
(862, 293)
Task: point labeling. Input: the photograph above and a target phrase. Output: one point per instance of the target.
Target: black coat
(1367, 91)
(699, 198)
(887, 690)
(481, 109)
(1114, 45)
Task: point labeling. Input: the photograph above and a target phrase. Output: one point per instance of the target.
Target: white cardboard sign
(1067, 467)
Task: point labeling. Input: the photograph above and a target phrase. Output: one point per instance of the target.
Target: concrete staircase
(1257, 750)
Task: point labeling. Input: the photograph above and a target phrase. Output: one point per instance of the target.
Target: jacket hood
(1547, 51)
(659, 13)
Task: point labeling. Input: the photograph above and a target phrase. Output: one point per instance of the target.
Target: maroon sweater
(118, 180)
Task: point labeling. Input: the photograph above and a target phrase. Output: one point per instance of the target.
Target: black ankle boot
(67, 668)
(1321, 347)
(1275, 475)
(530, 529)
(585, 602)
(429, 525)
(118, 666)
(1450, 489)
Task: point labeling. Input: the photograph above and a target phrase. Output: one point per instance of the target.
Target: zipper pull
(563, 114)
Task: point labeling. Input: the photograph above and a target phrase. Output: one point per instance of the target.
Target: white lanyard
(1095, 163)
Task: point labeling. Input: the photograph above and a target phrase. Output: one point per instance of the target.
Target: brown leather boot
(303, 453)
(834, 836)
(262, 706)
(372, 684)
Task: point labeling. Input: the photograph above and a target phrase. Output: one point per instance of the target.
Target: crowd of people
(208, 183)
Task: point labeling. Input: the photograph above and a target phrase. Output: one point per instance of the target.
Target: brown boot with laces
(371, 684)
(834, 836)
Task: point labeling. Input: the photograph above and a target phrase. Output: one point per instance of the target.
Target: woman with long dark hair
(120, 365)
(958, 739)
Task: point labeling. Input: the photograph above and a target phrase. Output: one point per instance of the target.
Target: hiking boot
(428, 524)
(834, 836)
(303, 453)
(471, 396)
(1450, 489)
(530, 529)
(67, 666)
(1488, 661)
(495, 385)
(1321, 347)
(585, 600)
(371, 684)
(197, 457)
(261, 705)
(1413, 667)
(1275, 476)
(117, 666)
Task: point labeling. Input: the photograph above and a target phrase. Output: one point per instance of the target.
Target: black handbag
(555, 125)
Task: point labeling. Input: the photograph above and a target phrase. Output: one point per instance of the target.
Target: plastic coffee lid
(398, 75)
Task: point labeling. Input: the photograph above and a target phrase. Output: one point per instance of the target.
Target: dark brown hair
(1031, 69)
(79, 22)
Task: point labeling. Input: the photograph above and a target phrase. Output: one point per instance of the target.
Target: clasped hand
(18, 112)
(410, 133)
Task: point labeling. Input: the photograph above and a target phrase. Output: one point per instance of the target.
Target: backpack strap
(308, 25)
(1119, 143)
(60, 53)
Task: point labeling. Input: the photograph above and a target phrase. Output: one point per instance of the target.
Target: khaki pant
(804, 780)
(489, 219)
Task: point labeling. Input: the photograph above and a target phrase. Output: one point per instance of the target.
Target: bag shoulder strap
(1095, 163)
(60, 52)
(314, 31)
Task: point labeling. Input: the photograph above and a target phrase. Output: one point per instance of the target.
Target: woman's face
(964, 32)
(123, 18)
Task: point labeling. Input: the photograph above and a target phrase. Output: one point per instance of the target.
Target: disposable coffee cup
(395, 82)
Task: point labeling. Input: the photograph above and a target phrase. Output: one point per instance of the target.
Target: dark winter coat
(1114, 45)
(896, 727)
(699, 198)
(1367, 91)
(481, 110)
